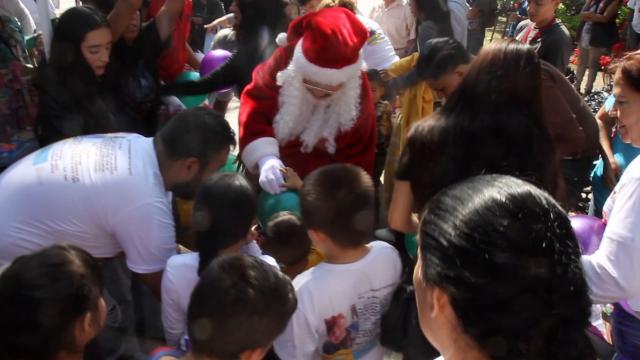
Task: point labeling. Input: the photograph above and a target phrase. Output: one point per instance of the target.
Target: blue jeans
(626, 334)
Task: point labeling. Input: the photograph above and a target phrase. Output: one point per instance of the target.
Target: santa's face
(313, 112)
(321, 91)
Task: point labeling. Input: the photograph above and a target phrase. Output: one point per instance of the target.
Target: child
(383, 121)
(224, 211)
(283, 234)
(342, 299)
(285, 238)
(238, 307)
(53, 300)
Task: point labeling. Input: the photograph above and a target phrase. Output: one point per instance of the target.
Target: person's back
(238, 307)
(84, 191)
(109, 194)
(341, 300)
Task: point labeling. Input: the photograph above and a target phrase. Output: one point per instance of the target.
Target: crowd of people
(397, 186)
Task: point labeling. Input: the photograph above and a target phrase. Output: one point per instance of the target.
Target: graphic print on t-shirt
(68, 159)
(340, 334)
(352, 336)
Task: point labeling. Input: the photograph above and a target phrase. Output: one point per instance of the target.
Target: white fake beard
(303, 116)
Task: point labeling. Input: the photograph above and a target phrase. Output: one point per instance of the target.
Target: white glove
(271, 179)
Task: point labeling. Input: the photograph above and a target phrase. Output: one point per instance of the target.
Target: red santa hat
(328, 45)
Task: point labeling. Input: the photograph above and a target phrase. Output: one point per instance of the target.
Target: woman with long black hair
(499, 275)
(78, 92)
(491, 124)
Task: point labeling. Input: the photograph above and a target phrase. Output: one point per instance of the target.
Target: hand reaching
(271, 179)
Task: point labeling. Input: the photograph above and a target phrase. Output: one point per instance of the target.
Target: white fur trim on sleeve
(322, 75)
(258, 149)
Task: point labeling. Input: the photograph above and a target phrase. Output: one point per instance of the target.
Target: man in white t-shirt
(110, 194)
(341, 300)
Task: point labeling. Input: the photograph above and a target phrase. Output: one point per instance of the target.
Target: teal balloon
(190, 101)
(269, 204)
(230, 166)
(411, 244)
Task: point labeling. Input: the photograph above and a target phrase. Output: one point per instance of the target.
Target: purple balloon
(213, 60)
(589, 231)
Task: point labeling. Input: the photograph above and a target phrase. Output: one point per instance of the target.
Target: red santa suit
(278, 117)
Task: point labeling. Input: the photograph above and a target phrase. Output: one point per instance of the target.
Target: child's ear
(253, 354)
(317, 237)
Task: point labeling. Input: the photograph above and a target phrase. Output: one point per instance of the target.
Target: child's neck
(296, 269)
(338, 255)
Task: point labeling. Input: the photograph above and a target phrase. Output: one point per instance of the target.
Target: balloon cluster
(213, 60)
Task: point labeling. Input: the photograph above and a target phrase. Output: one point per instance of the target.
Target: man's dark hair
(240, 303)
(197, 132)
(440, 56)
(338, 200)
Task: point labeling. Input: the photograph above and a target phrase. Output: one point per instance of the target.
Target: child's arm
(385, 120)
(291, 179)
(401, 216)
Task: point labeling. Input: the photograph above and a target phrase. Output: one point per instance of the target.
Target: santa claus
(310, 104)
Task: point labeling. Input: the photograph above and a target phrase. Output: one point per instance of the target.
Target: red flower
(605, 61)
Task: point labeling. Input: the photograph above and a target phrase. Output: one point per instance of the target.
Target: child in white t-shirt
(341, 300)
(238, 307)
(224, 211)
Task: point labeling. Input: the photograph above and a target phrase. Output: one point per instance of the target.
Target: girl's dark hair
(42, 295)
(436, 11)
(491, 124)
(223, 211)
(72, 27)
(630, 69)
(505, 254)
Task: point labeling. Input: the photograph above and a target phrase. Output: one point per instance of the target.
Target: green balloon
(269, 204)
(190, 101)
(230, 166)
(411, 244)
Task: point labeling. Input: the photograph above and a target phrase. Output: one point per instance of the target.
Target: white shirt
(635, 22)
(17, 9)
(612, 271)
(103, 193)
(35, 13)
(458, 10)
(178, 281)
(340, 307)
(397, 21)
(377, 52)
